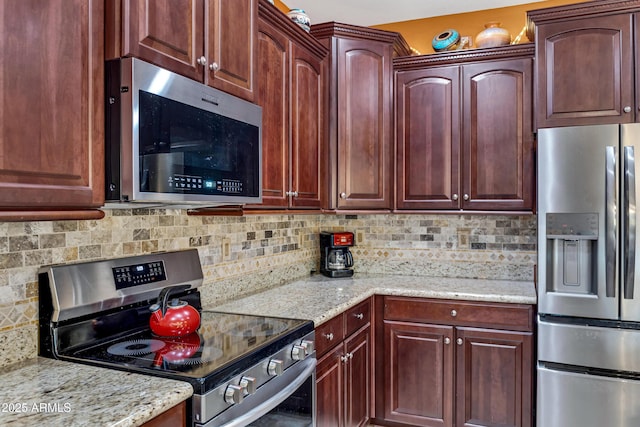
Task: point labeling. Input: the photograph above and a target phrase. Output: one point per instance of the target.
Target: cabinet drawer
(358, 316)
(517, 317)
(329, 334)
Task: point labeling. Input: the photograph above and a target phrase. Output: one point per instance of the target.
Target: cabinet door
(307, 106)
(365, 145)
(585, 71)
(494, 378)
(428, 138)
(51, 106)
(418, 374)
(168, 33)
(358, 378)
(497, 158)
(273, 96)
(330, 389)
(231, 32)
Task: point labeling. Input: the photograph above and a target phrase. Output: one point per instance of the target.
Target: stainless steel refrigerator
(588, 372)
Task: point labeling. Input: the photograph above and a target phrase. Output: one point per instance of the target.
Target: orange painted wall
(420, 32)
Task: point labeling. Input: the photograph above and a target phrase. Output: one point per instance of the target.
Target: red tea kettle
(173, 318)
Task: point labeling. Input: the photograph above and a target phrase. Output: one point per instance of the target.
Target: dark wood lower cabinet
(418, 374)
(343, 383)
(494, 380)
(174, 417)
(344, 374)
(440, 370)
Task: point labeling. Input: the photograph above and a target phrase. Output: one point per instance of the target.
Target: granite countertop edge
(42, 391)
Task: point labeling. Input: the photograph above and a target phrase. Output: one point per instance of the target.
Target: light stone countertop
(50, 393)
(320, 298)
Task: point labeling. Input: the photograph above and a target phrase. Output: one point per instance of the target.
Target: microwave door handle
(629, 213)
(611, 223)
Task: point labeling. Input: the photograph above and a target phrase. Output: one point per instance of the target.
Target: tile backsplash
(243, 255)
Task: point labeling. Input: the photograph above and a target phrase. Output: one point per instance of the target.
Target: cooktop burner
(224, 341)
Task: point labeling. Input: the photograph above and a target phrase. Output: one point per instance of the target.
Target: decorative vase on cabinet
(493, 35)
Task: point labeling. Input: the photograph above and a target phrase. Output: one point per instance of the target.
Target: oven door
(287, 400)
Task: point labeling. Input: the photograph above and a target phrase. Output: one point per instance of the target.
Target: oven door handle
(293, 377)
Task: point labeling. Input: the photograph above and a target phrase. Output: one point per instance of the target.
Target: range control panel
(139, 274)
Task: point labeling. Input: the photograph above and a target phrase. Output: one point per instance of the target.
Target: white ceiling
(375, 12)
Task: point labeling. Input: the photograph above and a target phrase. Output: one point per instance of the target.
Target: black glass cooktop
(224, 345)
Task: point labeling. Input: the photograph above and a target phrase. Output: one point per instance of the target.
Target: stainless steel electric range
(244, 369)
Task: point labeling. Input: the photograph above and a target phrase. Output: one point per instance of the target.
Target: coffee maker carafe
(335, 258)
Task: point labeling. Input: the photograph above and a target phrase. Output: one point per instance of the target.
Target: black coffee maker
(335, 258)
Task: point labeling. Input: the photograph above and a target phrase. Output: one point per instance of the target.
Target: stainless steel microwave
(173, 140)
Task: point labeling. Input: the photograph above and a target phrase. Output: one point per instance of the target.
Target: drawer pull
(454, 313)
(359, 316)
(459, 341)
(329, 336)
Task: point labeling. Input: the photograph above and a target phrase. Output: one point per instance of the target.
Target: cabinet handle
(359, 316)
(466, 197)
(459, 341)
(454, 313)
(447, 340)
(454, 197)
(343, 195)
(350, 355)
(344, 358)
(291, 193)
(214, 66)
(627, 109)
(329, 336)
(202, 61)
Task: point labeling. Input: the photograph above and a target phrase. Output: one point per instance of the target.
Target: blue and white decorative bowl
(301, 18)
(446, 40)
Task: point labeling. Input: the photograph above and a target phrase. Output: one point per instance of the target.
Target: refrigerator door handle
(629, 213)
(611, 221)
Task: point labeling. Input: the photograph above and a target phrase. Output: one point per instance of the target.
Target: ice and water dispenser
(572, 240)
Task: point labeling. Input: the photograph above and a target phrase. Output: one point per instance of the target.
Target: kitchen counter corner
(42, 391)
(319, 298)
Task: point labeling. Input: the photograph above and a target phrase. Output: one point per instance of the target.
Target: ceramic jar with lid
(301, 18)
(493, 35)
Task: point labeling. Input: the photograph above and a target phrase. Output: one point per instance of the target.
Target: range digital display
(139, 274)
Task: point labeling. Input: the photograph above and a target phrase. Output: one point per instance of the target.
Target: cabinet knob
(459, 341)
(202, 61)
(343, 195)
(454, 197)
(627, 109)
(359, 316)
(454, 313)
(344, 358)
(214, 66)
(329, 337)
(447, 340)
(291, 193)
(466, 197)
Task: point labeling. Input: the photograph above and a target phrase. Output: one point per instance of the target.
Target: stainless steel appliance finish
(589, 310)
(245, 370)
(171, 140)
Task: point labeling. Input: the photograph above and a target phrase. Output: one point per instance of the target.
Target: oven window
(184, 149)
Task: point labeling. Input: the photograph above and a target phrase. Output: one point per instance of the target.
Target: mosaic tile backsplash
(244, 255)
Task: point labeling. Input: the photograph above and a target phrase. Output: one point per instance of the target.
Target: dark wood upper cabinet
(464, 131)
(585, 64)
(212, 41)
(289, 89)
(428, 138)
(360, 89)
(498, 152)
(51, 111)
